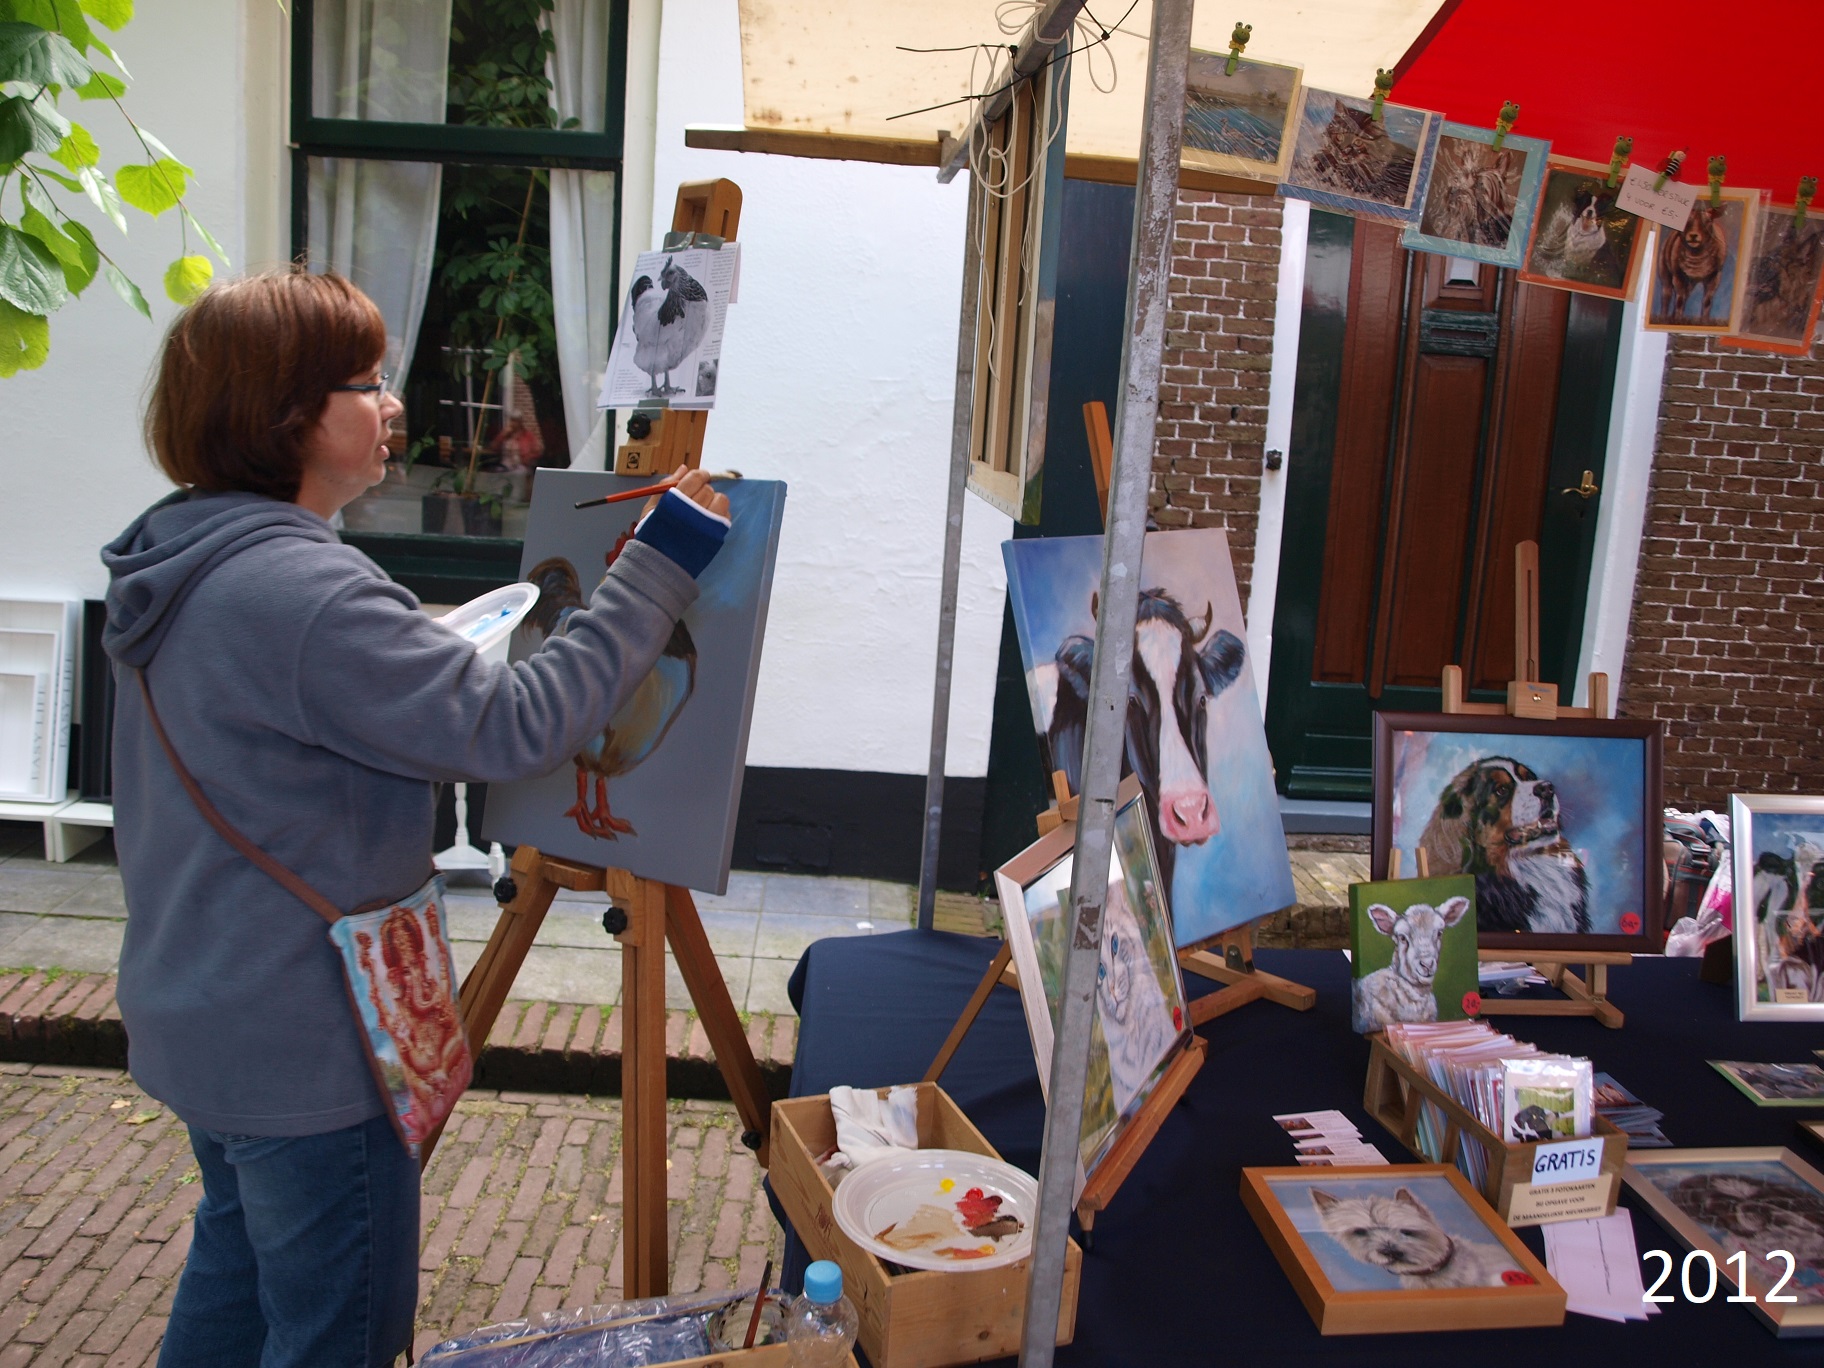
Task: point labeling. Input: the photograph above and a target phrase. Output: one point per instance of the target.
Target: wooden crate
(1392, 1096)
(913, 1319)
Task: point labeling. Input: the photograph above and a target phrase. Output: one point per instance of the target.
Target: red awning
(1741, 78)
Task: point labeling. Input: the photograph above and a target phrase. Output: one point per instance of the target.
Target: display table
(1178, 1273)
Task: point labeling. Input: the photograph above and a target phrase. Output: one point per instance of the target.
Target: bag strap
(275, 871)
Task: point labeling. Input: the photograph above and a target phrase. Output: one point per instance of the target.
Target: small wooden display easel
(644, 917)
(1526, 697)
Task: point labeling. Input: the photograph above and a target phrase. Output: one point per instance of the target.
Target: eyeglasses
(379, 387)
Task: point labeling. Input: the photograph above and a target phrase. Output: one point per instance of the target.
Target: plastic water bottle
(820, 1325)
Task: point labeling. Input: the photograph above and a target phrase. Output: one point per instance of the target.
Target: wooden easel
(1584, 995)
(644, 917)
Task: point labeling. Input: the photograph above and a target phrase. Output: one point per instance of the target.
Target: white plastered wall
(838, 377)
(210, 82)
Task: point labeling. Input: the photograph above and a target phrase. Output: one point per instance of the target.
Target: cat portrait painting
(1346, 159)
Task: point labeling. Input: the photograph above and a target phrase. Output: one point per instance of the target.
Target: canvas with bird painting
(655, 792)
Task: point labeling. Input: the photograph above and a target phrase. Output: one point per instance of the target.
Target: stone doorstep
(549, 1047)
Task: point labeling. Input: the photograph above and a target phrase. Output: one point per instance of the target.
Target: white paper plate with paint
(486, 622)
(939, 1209)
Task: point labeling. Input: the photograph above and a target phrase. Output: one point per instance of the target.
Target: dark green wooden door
(1441, 409)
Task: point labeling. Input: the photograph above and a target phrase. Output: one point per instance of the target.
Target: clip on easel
(1100, 1187)
(1527, 697)
(644, 917)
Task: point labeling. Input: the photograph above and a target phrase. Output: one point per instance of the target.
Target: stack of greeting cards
(1328, 1139)
(1515, 1089)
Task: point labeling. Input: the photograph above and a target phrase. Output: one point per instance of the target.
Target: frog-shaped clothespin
(1668, 171)
(1238, 40)
(1717, 166)
(1383, 87)
(1624, 146)
(1505, 123)
(1808, 186)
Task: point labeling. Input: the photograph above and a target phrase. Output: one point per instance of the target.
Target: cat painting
(1347, 159)
(1474, 189)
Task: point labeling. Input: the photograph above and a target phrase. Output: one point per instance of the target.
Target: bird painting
(669, 321)
(641, 723)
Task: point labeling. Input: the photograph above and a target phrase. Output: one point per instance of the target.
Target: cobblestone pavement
(521, 1212)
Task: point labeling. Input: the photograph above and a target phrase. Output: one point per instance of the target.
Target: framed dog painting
(1698, 274)
(1403, 1248)
(1757, 1212)
(1582, 240)
(1140, 1022)
(1778, 902)
(1784, 284)
(1480, 200)
(1344, 159)
(1559, 822)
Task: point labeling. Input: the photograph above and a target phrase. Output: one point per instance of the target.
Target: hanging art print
(1347, 160)
(1194, 733)
(1697, 278)
(1582, 239)
(1785, 284)
(1239, 125)
(655, 791)
(1778, 902)
(1480, 199)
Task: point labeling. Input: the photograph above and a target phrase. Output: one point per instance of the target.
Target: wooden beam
(794, 142)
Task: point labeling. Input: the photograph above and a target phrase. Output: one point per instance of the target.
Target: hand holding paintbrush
(692, 484)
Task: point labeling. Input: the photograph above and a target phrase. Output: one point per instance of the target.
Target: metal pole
(1049, 27)
(962, 417)
(1136, 411)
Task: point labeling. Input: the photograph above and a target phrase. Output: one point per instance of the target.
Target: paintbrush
(753, 1324)
(650, 490)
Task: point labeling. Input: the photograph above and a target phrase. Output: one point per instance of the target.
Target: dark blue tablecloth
(1178, 1273)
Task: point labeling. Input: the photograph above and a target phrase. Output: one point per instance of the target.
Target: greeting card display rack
(1584, 994)
(645, 916)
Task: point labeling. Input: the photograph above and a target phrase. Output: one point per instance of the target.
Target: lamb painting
(655, 791)
(1193, 735)
(1140, 1020)
(1412, 946)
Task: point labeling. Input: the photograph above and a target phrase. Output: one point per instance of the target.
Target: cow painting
(1193, 732)
(1180, 664)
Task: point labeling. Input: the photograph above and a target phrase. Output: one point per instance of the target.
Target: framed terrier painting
(1758, 1214)
(1397, 1249)
(1778, 900)
(1698, 275)
(1346, 160)
(1480, 200)
(1582, 239)
(1558, 822)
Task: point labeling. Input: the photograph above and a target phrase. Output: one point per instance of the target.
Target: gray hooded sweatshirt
(316, 706)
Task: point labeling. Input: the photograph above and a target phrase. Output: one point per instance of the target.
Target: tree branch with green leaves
(47, 257)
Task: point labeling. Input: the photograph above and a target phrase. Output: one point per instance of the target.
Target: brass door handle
(1587, 488)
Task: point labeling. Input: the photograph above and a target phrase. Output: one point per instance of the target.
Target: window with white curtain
(460, 161)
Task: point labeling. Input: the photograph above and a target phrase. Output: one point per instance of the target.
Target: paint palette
(487, 621)
(939, 1209)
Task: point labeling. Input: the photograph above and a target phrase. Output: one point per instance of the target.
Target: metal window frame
(448, 144)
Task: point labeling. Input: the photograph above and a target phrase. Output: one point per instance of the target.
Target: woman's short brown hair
(246, 372)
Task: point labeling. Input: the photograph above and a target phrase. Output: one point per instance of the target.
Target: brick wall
(1729, 606)
(1219, 343)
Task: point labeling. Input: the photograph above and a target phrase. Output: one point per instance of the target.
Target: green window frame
(445, 569)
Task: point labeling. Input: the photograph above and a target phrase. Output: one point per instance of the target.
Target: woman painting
(318, 708)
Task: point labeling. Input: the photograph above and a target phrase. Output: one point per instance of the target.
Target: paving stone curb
(544, 1047)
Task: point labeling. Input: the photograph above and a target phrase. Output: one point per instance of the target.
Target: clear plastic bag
(629, 1334)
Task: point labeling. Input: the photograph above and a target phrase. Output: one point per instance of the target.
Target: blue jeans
(305, 1252)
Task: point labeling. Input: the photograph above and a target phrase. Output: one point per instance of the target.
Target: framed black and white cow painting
(1558, 821)
(1194, 731)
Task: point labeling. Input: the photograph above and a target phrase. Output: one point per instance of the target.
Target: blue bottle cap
(823, 1282)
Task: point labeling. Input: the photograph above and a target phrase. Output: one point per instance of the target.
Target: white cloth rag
(869, 1126)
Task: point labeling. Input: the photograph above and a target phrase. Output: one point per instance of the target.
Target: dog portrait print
(1784, 278)
(1755, 1205)
(1396, 1233)
(1474, 191)
(1553, 828)
(1583, 240)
